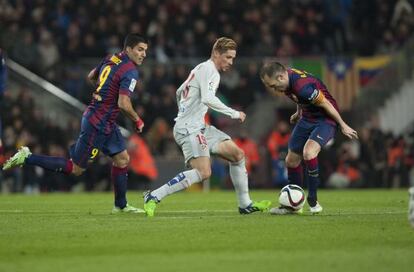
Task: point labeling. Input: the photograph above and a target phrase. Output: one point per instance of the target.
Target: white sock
(238, 175)
(180, 182)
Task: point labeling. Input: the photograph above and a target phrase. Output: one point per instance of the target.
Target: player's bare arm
(125, 105)
(93, 76)
(296, 116)
(334, 114)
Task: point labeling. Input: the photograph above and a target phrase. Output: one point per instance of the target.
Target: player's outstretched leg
(24, 156)
(18, 159)
(180, 182)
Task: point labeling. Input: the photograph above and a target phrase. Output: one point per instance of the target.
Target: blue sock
(55, 164)
(295, 175)
(120, 179)
(313, 180)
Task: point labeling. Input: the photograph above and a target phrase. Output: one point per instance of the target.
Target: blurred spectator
(397, 164)
(265, 28)
(142, 165)
(25, 51)
(250, 149)
(348, 165)
(49, 55)
(277, 144)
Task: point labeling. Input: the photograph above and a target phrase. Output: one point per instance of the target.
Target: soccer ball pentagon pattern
(292, 196)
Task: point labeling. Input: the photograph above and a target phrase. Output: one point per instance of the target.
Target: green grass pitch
(359, 230)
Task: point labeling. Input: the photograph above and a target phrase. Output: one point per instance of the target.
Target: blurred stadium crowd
(56, 38)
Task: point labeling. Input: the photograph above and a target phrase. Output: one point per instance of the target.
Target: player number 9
(103, 76)
(94, 153)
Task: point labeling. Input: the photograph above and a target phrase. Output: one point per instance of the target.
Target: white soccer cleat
(411, 206)
(316, 209)
(284, 211)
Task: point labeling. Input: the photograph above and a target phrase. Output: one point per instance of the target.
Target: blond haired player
(198, 140)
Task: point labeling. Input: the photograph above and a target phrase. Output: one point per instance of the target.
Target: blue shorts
(321, 132)
(91, 141)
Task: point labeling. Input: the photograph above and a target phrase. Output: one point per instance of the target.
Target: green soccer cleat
(150, 203)
(259, 206)
(126, 209)
(18, 159)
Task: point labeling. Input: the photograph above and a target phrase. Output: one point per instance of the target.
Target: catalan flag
(341, 77)
(369, 67)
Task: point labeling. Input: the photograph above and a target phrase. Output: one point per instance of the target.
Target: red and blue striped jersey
(306, 90)
(117, 75)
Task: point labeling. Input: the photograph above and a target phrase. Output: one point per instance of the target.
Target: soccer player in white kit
(197, 140)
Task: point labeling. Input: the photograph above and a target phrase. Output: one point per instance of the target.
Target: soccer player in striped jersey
(115, 79)
(317, 118)
(197, 139)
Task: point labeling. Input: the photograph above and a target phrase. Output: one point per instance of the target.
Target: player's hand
(242, 116)
(139, 125)
(349, 132)
(294, 118)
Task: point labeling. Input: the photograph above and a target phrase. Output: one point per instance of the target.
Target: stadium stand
(68, 38)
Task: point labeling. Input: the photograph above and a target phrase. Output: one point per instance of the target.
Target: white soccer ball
(292, 196)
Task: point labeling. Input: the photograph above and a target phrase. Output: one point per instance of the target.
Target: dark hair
(271, 69)
(132, 39)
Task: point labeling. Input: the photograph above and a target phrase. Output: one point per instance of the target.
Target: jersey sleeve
(208, 84)
(311, 94)
(128, 82)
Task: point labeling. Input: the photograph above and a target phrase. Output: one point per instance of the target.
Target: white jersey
(196, 95)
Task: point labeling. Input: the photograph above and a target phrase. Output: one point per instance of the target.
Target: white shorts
(199, 144)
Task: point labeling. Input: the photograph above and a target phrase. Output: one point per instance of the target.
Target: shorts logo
(202, 141)
(314, 95)
(319, 137)
(132, 85)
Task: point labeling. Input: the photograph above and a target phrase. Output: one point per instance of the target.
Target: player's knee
(236, 155)
(239, 155)
(122, 161)
(205, 173)
(309, 154)
(292, 162)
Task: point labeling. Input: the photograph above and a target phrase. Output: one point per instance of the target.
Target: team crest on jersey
(132, 85)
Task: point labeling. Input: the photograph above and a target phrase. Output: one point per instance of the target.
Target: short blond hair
(223, 44)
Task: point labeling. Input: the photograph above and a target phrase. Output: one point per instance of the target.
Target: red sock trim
(119, 171)
(297, 169)
(312, 163)
(68, 167)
